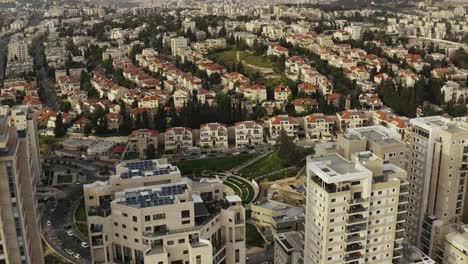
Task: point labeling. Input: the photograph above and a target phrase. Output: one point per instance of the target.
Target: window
(181, 241)
(135, 219)
(147, 218)
(170, 242)
(186, 222)
(159, 216)
(185, 213)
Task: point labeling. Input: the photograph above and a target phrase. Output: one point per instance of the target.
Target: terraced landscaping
(212, 164)
(241, 188)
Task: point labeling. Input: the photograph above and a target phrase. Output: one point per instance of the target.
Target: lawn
(228, 57)
(253, 237)
(83, 227)
(212, 164)
(80, 215)
(241, 188)
(265, 165)
(47, 142)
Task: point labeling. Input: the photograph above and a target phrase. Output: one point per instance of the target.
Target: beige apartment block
(456, 245)
(140, 139)
(278, 217)
(438, 161)
(355, 209)
(383, 142)
(20, 237)
(148, 213)
(289, 248)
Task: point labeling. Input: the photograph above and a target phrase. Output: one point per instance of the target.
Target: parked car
(84, 244)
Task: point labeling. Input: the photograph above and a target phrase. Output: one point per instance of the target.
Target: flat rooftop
(146, 197)
(144, 168)
(291, 241)
(284, 209)
(444, 123)
(333, 168)
(379, 134)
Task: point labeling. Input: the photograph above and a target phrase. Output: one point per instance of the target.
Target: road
(56, 235)
(49, 96)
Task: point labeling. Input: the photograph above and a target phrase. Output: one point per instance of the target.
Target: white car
(77, 256)
(84, 244)
(69, 251)
(49, 224)
(70, 232)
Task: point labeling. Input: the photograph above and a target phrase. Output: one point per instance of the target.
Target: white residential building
(248, 133)
(213, 135)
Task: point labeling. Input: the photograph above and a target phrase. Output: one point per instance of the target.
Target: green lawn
(228, 57)
(47, 142)
(83, 227)
(253, 237)
(265, 165)
(80, 215)
(212, 164)
(241, 188)
(225, 57)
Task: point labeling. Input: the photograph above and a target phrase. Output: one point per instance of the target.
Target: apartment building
(437, 165)
(140, 139)
(289, 248)
(278, 217)
(213, 135)
(18, 49)
(383, 142)
(351, 119)
(318, 127)
(147, 213)
(20, 240)
(177, 43)
(355, 209)
(248, 133)
(282, 93)
(456, 245)
(278, 123)
(178, 139)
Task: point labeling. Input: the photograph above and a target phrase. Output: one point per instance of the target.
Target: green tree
(59, 129)
(150, 152)
(160, 119)
(288, 152)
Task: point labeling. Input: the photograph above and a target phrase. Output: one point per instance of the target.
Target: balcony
(358, 201)
(353, 256)
(356, 228)
(99, 211)
(400, 227)
(401, 218)
(356, 219)
(350, 239)
(403, 200)
(356, 209)
(354, 247)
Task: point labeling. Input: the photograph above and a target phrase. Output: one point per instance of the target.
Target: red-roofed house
(307, 88)
(275, 49)
(277, 123)
(351, 119)
(370, 100)
(282, 93)
(302, 105)
(318, 126)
